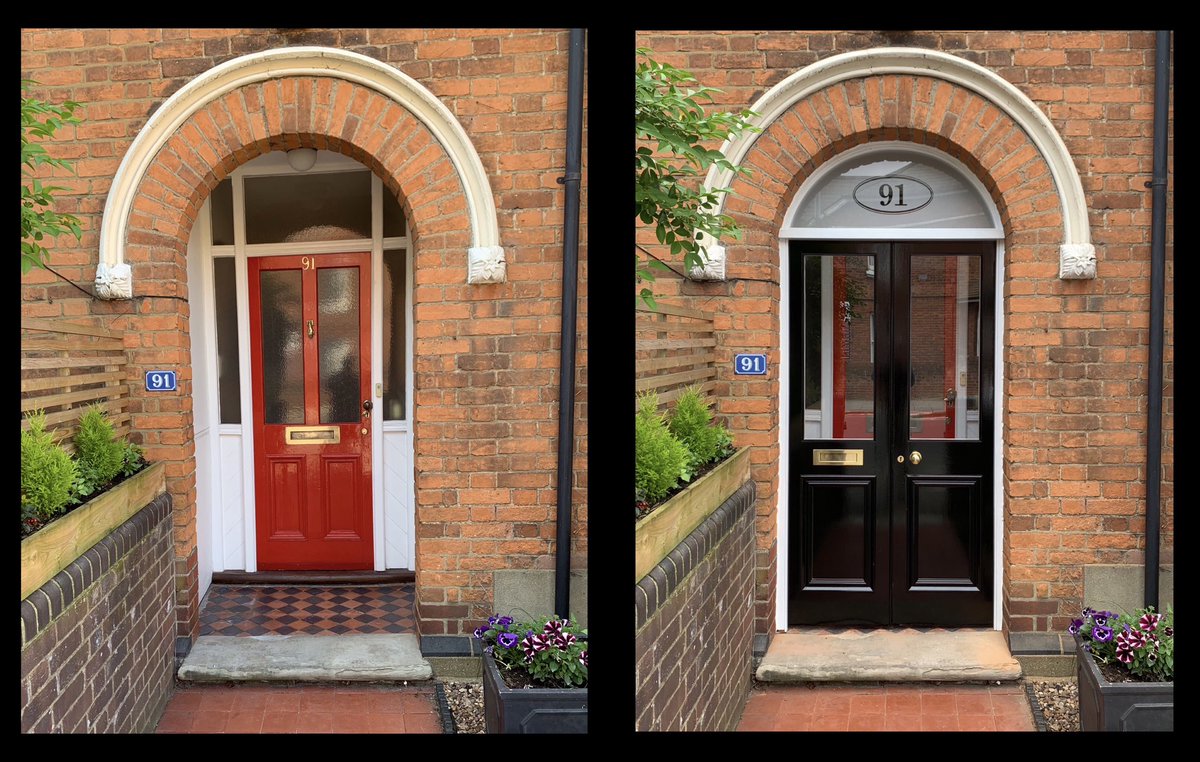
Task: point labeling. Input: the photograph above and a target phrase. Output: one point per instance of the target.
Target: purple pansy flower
(1087, 612)
(1102, 634)
(492, 620)
(489, 649)
(480, 631)
(507, 639)
(504, 621)
(1076, 625)
(1101, 617)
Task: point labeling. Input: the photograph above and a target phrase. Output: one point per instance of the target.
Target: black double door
(890, 514)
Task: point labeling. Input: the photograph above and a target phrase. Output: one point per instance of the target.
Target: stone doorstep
(804, 655)
(306, 658)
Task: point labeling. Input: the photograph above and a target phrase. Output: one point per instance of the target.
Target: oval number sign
(892, 195)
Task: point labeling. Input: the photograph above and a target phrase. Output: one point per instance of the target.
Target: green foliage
(132, 459)
(551, 651)
(47, 472)
(669, 191)
(661, 459)
(100, 455)
(39, 121)
(690, 424)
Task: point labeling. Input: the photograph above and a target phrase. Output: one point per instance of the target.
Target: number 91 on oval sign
(895, 194)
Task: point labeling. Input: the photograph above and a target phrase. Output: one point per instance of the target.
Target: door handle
(368, 406)
(310, 329)
(915, 457)
(951, 396)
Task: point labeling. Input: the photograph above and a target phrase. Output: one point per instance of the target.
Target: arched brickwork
(276, 114)
(918, 109)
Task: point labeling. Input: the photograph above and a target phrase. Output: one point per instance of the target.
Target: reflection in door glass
(839, 347)
(337, 340)
(283, 347)
(944, 348)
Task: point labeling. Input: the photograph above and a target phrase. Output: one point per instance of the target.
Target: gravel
(1059, 700)
(466, 704)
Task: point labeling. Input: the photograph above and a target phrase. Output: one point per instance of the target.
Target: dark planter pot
(1120, 706)
(530, 710)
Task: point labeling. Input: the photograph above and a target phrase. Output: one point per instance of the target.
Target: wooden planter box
(530, 710)
(1120, 706)
(657, 534)
(48, 551)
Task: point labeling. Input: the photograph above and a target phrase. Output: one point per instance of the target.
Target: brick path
(261, 708)
(899, 706)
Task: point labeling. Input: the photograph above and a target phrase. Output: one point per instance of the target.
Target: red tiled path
(876, 706)
(260, 708)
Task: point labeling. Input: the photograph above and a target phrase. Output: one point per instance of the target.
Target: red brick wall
(486, 357)
(98, 640)
(1075, 352)
(695, 626)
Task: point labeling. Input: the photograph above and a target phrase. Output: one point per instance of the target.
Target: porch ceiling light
(302, 159)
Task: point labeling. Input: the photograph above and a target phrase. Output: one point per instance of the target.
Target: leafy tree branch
(39, 121)
(670, 194)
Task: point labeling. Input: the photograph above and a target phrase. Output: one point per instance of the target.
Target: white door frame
(207, 412)
(787, 234)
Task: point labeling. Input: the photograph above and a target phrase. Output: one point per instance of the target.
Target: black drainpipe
(1158, 252)
(566, 366)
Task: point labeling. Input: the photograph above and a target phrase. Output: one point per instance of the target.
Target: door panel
(944, 516)
(891, 356)
(839, 526)
(310, 350)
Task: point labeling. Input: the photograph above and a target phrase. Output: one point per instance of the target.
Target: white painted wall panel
(398, 499)
(233, 524)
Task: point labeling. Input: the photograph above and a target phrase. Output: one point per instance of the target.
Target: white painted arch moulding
(113, 277)
(1077, 255)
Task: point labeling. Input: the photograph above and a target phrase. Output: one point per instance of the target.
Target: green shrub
(47, 472)
(131, 459)
(690, 423)
(97, 450)
(661, 459)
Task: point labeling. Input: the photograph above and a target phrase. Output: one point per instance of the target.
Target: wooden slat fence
(66, 367)
(676, 348)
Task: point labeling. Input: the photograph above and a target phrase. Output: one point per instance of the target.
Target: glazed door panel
(310, 350)
(891, 356)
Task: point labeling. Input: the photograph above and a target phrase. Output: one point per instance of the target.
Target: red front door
(310, 330)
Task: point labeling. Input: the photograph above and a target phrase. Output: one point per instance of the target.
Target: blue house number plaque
(160, 380)
(750, 365)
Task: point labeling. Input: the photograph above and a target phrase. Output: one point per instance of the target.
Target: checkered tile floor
(292, 610)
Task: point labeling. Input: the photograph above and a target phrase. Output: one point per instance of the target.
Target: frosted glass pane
(283, 346)
(395, 311)
(944, 348)
(295, 208)
(900, 189)
(228, 361)
(338, 345)
(222, 214)
(839, 347)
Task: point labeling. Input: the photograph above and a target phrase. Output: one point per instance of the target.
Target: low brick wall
(695, 625)
(97, 640)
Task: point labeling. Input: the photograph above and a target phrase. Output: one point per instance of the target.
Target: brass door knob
(915, 457)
